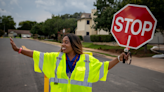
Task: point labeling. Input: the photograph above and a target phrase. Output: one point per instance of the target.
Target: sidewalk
(144, 62)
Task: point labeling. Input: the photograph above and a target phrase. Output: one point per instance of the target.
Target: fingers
(125, 56)
(12, 43)
(11, 39)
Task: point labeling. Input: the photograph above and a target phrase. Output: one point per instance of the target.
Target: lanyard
(70, 68)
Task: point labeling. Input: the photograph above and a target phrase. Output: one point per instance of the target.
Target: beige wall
(102, 32)
(10, 35)
(81, 24)
(80, 33)
(82, 16)
(82, 27)
(158, 37)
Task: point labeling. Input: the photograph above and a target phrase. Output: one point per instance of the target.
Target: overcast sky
(40, 10)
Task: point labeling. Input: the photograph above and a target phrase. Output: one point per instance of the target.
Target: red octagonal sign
(133, 26)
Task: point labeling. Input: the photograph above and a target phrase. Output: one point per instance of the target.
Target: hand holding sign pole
(133, 26)
(126, 50)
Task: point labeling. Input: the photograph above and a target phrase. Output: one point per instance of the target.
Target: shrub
(81, 38)
(102, 38)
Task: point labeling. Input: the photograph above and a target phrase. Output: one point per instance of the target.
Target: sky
(40, 10)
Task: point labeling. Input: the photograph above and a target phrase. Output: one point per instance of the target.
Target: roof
(20, 31)
(85, 16)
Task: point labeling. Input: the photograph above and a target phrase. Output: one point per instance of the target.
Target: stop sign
(133, 26)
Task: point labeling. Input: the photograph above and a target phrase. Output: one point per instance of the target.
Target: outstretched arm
(24, 52)
(115, 61)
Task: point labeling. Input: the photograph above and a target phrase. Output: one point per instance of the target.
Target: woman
(70, 70)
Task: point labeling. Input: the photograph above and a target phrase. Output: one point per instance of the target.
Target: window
(87, 21)
(87, 33)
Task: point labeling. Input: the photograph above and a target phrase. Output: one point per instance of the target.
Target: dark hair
(75, 43)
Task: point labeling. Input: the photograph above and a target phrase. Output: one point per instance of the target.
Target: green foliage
(95, 46)
(7, 22)
(102, 53)
(94, 38)
(1, 32)
(37, 29)
(101, 38)
(81, 38)
(26, 25)
(76, 15)
(107, 8)
(104, 13)
(54, 25)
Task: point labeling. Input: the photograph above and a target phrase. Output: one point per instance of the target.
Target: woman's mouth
(63, 48)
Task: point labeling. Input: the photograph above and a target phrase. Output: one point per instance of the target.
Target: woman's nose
(62, 44)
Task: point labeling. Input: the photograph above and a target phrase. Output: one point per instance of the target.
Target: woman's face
(66, 45)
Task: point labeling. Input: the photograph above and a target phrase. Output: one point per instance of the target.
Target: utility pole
(1, 17)
(1, 21)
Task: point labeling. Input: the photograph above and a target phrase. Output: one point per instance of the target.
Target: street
(17, 72)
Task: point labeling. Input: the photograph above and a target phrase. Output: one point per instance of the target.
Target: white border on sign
(143, 6)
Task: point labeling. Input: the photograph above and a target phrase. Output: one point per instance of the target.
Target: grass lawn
(52, 40)
(117, 49)
(102, 53)
(95, 46)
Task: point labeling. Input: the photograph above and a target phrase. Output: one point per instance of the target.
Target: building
(158, 38)
(85, 23)
(19, 33)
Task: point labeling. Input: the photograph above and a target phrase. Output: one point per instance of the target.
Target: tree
(76, 15)
(107, 8)
(7, 23)
(70, 24)
(55, 24)
(26, 25)
(65, 16)
(104, 14)
(37, 29)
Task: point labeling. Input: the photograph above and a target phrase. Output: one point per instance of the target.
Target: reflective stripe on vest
(85, 82)
(59, 80)
(101, 71)
(56, 80)
(41, 58)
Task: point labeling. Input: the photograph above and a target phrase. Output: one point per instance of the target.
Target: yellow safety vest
(87, 71)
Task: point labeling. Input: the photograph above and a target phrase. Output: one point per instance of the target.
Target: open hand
(15, 48)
